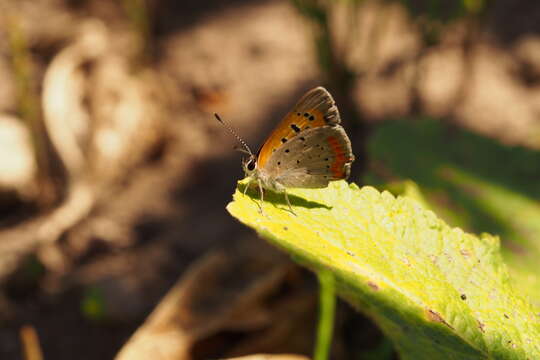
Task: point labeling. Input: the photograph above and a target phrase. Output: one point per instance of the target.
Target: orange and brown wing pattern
(315, 109)
(312, 159)
(341, 149)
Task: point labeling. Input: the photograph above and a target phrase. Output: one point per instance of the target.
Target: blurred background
(114, 175)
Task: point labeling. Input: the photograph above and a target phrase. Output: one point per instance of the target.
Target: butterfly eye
(251, 165)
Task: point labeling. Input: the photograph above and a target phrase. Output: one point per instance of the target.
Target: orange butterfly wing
(315, 109)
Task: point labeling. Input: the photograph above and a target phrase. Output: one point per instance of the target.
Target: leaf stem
(327, 305)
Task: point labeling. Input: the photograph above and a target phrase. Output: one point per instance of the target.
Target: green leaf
(436, 291)
(472, 182)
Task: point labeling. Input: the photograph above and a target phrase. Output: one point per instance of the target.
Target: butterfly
(308, 148)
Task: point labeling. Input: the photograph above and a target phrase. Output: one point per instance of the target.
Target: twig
(190, 311)
(30, 343)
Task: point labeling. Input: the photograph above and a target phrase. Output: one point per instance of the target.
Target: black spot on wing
(284, 140)
(295, 128)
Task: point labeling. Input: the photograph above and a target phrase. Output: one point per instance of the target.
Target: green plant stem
(138, 12)
(327, 305)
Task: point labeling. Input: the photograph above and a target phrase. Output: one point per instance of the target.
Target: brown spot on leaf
(406, 262)
(436, 317)
(481, 326)
(373, 285)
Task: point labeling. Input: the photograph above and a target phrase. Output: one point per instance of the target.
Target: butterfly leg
(288, 202)
(247, 186)
(262, 196)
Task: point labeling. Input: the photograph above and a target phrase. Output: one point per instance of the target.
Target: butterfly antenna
(234, 134)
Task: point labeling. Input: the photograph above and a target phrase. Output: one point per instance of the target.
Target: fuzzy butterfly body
(307, 149)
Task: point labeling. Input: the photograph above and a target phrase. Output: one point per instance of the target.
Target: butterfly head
(250, 165)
